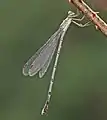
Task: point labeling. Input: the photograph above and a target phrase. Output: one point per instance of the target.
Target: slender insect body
(41, 60)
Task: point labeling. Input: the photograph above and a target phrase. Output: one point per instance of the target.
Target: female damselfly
(41, 60)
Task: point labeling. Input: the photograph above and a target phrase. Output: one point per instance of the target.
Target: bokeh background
(80, 89)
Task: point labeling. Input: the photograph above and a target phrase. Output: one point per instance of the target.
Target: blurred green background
(80, 89)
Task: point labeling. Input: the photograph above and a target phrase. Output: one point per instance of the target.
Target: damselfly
(41, 60)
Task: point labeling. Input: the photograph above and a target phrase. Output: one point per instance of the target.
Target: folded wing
(40, 61)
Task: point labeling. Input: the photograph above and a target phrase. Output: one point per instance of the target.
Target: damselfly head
(71, 13)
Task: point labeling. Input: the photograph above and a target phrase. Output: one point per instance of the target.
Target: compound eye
(70, 13)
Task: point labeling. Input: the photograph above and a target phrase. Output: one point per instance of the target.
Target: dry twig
(92, 15)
